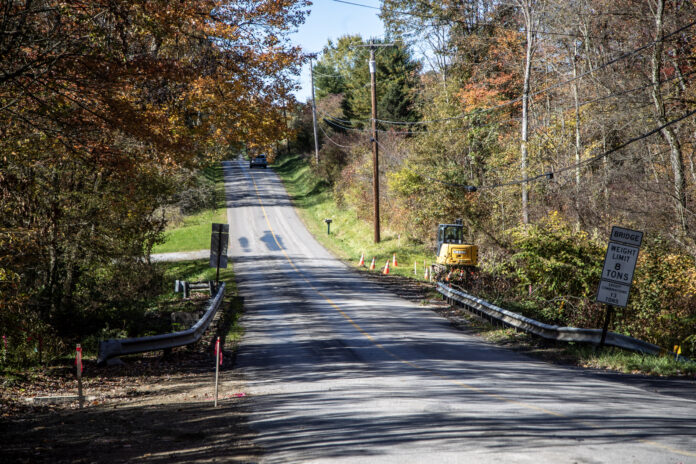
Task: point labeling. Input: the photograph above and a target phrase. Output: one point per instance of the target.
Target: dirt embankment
(150, 409)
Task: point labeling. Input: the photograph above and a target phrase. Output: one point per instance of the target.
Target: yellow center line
(432, 371)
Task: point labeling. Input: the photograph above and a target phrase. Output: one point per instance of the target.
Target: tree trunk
(578, 146)
(676, 157)
(526, 9)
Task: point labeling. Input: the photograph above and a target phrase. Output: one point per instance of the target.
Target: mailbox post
(328, 226)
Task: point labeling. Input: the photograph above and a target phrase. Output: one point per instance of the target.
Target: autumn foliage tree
(101, 103)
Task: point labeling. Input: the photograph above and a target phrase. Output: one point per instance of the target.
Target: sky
(331, 20)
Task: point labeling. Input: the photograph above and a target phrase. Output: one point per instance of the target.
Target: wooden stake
(78, 366)
(217, 368)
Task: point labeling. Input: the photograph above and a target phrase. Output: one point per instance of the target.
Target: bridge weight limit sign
(617, 272)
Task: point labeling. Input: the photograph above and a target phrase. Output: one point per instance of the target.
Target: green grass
(628, 362)
(194, 233)
(229, 326)
(350, 237)
(585, 355)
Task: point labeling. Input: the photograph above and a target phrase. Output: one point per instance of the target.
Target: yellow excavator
(452, 253)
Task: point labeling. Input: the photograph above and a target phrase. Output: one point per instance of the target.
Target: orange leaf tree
(101, 103)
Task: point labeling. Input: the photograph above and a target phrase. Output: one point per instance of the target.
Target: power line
(594, 158)
(424, 131)
(330, 120)
(552, 173)
(533, 94)
(443, 19)
(635, 89)
(336, 76)
(546, 89)
(332, 140)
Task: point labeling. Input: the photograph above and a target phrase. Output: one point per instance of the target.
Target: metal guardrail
(185, 287)
(551, 332)
(114, 348)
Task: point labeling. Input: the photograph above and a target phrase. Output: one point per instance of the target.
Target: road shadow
(166, 433)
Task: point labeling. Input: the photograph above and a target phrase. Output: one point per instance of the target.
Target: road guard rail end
(551, 332)
(114, 348)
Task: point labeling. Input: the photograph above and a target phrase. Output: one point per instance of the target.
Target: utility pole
(287, 138)
(375, 146)
(314, 113)
(373, 139)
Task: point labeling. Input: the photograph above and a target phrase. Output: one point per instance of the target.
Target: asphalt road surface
(339, 370)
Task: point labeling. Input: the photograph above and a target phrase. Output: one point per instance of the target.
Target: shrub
(199, 195)
(662, 308)
(559, 268)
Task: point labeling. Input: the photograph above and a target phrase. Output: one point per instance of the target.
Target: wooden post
(219, 256)
(375, 146)
(314, 113)
(610, 310)
(217, 368)
(78, 366)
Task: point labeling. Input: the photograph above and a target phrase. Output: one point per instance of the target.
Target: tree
(532, 11)
(676, 157)
(101, 105)
(343, 69)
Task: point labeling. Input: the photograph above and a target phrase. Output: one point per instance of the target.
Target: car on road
(259, 162)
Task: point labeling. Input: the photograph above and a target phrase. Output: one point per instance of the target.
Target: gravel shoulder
(179, 256)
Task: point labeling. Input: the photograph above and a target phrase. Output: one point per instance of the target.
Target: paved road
(339, 370)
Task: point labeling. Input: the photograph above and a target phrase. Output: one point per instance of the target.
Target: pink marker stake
(218, 361)
(78, 366)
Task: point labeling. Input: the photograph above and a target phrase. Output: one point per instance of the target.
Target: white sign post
(617, 272)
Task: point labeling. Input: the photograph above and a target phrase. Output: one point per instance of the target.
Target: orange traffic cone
(449, 276)
(426, 274)
(372, 266)
(386, 269)
(362, 260)
(394, 260)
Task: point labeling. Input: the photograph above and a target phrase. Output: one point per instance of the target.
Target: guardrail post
(187, 289)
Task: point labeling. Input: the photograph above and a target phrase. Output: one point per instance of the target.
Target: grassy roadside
(192, 235)
(351, 237)
(194, 232)
(580, 354)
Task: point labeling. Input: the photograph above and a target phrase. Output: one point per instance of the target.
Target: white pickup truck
(259, 162)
